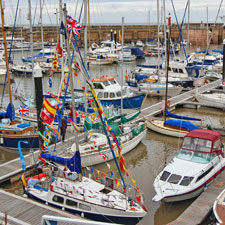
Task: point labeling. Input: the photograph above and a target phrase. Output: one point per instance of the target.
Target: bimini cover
(181, 123)
(74, 164)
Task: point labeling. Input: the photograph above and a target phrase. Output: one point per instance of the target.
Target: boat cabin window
(112, 95)
(204, 174)
(180, 71)
(100, 94)
(98, 86)
(164, 176)
(217, 145)
(106, 94)
(106, 83)
(84, 207)
(58, 199)
(186, 181)
(112, 81)
(174, 179)
(118, 94)
(71, 203)
(109, 183)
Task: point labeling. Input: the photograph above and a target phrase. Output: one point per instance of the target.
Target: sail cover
(169, 114)
(181, 123)
(74, 164)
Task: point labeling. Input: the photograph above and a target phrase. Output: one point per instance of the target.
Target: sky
(106, 12)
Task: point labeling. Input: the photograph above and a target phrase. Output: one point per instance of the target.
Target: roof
(103, 78)
(204, 134)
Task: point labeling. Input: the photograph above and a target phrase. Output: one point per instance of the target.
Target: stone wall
(131, 33)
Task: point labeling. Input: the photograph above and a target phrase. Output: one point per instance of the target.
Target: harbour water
(148, 158)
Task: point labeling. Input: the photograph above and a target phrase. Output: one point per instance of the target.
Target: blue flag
(62, 30)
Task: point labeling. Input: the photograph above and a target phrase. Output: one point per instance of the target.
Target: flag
(62, 30)
(73, 25)
(24, 110)
(50, 109)
(46, 118)
(59, 49)
(54, 63)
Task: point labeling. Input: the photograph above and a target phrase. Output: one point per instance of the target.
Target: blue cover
(169, 114)
(217, 51)
(74, 164)
(23, 125)
(181, 123)
(10, 112)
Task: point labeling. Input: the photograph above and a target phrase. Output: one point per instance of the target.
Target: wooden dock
(20, 210)
(201, 208)
(11, 171)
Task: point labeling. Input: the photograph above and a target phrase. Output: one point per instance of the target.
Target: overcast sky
(111, 11)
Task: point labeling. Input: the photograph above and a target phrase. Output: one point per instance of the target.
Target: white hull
(212, 100)
(157, 126)
(95, 158)
(218, 207)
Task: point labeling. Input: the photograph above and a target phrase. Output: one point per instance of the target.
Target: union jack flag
(73, 25)
(24, 110)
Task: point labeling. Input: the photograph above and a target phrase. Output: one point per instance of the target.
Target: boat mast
(86, 17)
(158, 32)
(167, 61)
(188, 33)
(121, 110)
(6, 56)
(42, 33)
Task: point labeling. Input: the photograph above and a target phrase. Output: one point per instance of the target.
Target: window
(204, 174)
(181, 71)
(106, 83)
(98, 86)
(106, 94)
(112, 95)
(84, 207)
(71, 203)
(188, 143)
(58, 199)
(186, 181)
(100, 95)
(174, 179)
(118, 94)
(164, 176)
(217, 145)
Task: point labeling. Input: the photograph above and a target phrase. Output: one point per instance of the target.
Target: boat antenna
(5, 50)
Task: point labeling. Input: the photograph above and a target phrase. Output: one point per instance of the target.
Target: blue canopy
(181, 123)
(10, 112)
(217, 51)
(74, 164)
(169, 114)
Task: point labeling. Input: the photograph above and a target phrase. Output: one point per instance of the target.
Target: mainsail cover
(169, 114)
(74, 164)
(180, 123)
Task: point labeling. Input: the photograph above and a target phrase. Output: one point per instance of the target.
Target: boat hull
(157, 126)
(95, 158)
(12, 142)
(97, 215)
(134, 102)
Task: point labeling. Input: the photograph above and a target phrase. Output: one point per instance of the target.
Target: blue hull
(94, 216)
(128, 103)
(13, 142)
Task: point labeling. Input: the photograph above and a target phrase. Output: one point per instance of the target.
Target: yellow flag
(118, 184)
(134, 181)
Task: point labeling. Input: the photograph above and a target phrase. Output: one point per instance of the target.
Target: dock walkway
(24, 211)
(197, 212)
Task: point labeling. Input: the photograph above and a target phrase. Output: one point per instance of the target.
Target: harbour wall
(132, 33)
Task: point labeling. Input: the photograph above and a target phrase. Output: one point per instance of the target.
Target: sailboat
(11, 132)
(171, 127)
(78, 194)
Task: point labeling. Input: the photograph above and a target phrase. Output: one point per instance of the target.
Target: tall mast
(86, 17)
(188, 33)
(42, 33)
(121, 110)
(6, 56)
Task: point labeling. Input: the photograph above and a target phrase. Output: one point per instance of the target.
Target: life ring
(167, 103)
(38, 177)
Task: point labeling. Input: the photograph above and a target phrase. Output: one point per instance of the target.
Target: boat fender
(167, 103)
(93, 116)
(24, 180)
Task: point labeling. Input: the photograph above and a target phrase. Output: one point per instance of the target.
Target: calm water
(143, 162)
